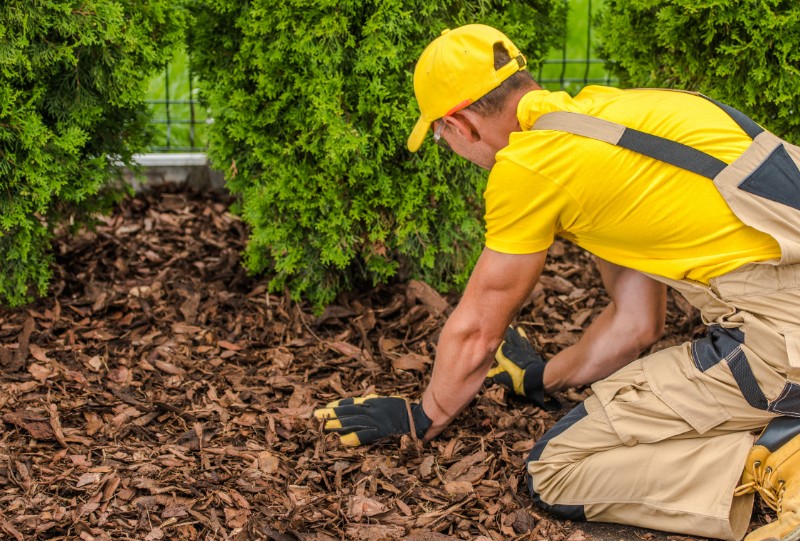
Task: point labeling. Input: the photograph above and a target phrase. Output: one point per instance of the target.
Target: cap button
(445, 31)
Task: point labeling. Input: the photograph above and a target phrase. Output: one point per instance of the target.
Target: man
(663, 187)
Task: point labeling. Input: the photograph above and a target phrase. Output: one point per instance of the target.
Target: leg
(682, 485)
(627, 456)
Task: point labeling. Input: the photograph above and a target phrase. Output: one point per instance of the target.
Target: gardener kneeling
(664, 187)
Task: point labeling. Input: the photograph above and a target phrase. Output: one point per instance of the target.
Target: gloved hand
(519, 367)
(359, 421)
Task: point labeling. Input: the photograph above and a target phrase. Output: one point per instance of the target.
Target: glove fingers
(354, 410)
(363, 420)
(349, 425)
(504, 379)
(325, 413)
(350, 401)
(337, 412)
(352, 436)
(350, 439)
(360, 437)
(506, 364)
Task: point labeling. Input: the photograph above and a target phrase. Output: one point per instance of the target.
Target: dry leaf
(169, 368)
(40, 372)
(299, 495)
(88, 479)
(458, 489)
(427, 296)
(411, 361)
(36, 424)
(38, 353)
(154, 535)
(348, 350)
(361, 506)
(224, 344)
(267, 462)
(426, 468)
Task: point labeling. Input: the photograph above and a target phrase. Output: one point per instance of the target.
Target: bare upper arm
(498, 286)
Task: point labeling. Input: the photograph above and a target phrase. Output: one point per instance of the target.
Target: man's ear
(465, 123)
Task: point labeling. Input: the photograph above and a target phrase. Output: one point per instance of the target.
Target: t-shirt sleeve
(524, 210)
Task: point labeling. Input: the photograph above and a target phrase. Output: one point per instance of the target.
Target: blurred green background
(181, 121)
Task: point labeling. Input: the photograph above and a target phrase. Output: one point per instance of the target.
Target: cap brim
(418, 134)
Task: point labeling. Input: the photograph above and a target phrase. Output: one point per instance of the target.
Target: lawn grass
(179, 120)
(572, 66)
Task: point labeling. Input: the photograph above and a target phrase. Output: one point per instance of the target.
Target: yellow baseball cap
(457, 69)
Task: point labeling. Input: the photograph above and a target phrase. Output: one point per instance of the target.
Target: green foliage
(745, 53)
(73, 76)
(312, 104)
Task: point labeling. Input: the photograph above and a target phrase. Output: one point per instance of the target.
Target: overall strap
(747, 124)
(653, 146)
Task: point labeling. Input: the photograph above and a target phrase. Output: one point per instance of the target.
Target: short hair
(494, 101)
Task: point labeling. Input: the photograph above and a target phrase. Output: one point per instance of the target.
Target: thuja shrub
(73, 77)
(312, 104)
(744, 53)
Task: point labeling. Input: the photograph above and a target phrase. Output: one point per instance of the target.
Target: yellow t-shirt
(626, 208)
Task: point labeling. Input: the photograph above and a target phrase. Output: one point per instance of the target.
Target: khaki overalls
(662, 442)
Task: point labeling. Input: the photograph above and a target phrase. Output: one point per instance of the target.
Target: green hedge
(744, 53)
(312, 104)
(73, 77)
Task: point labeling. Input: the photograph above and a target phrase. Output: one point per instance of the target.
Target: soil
(159, 392)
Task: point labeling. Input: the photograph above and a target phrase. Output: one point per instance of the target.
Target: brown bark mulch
(161, 393)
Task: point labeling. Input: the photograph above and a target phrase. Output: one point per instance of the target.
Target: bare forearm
(608, 344)
(462, 361)
(496, 289)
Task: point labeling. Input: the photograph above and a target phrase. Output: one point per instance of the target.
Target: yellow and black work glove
(520, 367)
(359, 421)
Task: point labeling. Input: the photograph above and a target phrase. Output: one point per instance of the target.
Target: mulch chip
(160, 392)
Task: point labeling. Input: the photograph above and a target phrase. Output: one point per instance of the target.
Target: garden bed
(161, 393)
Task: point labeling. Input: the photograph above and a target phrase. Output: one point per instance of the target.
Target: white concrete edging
(190, 168)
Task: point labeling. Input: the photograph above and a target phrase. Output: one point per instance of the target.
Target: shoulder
(540, 102)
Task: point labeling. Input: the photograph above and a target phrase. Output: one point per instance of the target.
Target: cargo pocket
(675, 381)
(639, 410)
(624, 397)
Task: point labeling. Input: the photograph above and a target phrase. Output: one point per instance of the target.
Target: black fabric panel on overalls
(716, 345)
(570, 512)
(723, 344)
(779, 431)
(788, 402)
(776, 179)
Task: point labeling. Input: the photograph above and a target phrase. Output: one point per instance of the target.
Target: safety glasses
(437, 135)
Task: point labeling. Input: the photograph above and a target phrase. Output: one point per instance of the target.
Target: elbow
(648, 331)
(483, 347)
(478, 345)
